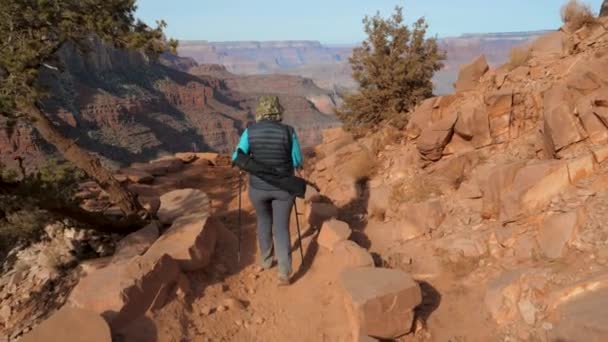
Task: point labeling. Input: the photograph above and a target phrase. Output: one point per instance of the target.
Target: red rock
(470, 74)
(433, 139)
(502, 296)
(187, 157)
(560, 122)
(333, 140)
(597, 131)
(458, 145)
(137, 176)
(190, 241)
(495, 187)
(583, 319)
(181, 203)
(349, 254)
(473, 124)
(533, 188)
(426, 216)
(499, 107)
(123, 291)
(581, 167)
(379, 200)
(469, 190)
(549, 45)
(71, 324)
(600, 153)
(332, 232)
(558, 231)
(380, 302)
(136, 243)
(466, 247)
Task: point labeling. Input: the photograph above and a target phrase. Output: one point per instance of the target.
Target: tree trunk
(125, 199)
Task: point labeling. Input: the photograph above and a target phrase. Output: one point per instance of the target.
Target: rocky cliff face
(490, 188)
(125, 107)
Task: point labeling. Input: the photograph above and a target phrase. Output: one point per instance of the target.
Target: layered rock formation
(126, 108)
(328, 65)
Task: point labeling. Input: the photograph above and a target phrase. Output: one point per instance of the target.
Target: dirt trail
(311, 309)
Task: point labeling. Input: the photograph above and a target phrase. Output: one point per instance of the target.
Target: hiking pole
(238, 255)
(298, 228)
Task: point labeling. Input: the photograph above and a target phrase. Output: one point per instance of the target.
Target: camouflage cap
(269, 108)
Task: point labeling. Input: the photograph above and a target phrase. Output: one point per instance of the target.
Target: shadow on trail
(431, 299)
(355, 214)
(309, 255)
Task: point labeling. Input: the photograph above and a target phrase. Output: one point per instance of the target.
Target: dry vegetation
(417, 191)
(576, 14)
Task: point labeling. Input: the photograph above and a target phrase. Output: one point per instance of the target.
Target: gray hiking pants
(273, 209)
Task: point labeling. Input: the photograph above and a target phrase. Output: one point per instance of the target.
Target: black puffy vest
(270, 144)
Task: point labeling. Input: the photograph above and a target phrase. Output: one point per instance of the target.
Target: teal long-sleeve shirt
(296, 153)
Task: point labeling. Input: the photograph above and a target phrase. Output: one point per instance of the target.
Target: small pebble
(221, 308)
(547, 326)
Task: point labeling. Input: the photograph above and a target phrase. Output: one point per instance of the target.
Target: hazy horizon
(337, 22)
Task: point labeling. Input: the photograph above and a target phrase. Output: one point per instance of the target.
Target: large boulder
(349, 254)
(332, 232)
(190, 241)
(124, 291)
(473, 124)
(560, 122)
(434, 139)
(499, 109)
(470, 74)
(71, 324)
(533, 188)
(581, 167)
(583, 319)
(380, 302)
(182, 202)
(558, 231)
(495, 186)
(136, 243)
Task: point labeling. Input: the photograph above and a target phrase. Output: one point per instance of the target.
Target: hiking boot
(283, 280)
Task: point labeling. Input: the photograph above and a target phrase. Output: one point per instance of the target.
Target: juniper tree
(31, 34)
(394, 67)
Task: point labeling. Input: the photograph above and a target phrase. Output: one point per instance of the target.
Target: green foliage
(394, 68)
(21, 219)
(32, 31)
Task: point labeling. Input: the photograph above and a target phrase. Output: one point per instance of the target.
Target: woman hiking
(275, 144)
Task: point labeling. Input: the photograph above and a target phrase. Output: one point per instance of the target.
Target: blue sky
(339, 21)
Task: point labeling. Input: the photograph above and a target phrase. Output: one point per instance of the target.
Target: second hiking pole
(295, 206)
(239, 228)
